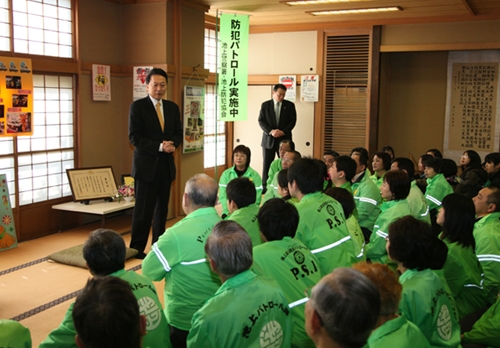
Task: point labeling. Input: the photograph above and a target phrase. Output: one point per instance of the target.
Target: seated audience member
(381, 163)
(242, 207)
(437, 186)
(342, 309)
(285, 146)
(392, 329)
(425, 302)
(419, 208)
(106, 315)
(322, 227)
(342, 171)
(472, 169)
(486, 330)
(14, 335)
(344, 197)
(487, 238)
(394, 190)
(247, 310)
(179, 258)
(434, 153)
(329, 157)
(421, 167)
(104, 253)
(365, 192)
(241, 167)
(492, 167)
(283, 187)
(288, 159)
(389, 150)
(449, 169)
(461, 270)
(294, 271)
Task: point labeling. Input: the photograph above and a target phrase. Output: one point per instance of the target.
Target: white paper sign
(290, 82)
(309, 88)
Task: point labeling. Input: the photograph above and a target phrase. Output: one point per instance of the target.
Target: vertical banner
(8, 238)
(472, 108)
(101, 82)
(232, 85)
(309, 88)
(16, 97)
(194, 114)
(290, 82)
(140, 73)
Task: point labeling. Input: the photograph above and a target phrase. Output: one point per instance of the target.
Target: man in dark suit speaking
(277, 118)
(155, 131)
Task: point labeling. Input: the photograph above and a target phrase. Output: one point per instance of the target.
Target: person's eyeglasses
(308, 292)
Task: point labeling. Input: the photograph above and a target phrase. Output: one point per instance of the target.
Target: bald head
(201, 191)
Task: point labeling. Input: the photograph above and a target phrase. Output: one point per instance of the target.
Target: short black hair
(308, 173)
(387, 148)
(347, 165)
(449, 167)
(386, 159)
(435, 152)
(435, 163)
(363, 155)
(405, 164)
(156, 71)
(104, 252)
(335, 154)
(399, 183)
(344, 197)
(493, 157)
(283, 182)
(106, 314)
(279, 86)
(244, 150)
(289, 142)
(241, 191)
(278, 219)
(415, 245)
(460, 215)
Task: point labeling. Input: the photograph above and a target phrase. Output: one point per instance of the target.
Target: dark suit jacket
(267, 121)
(145, 134)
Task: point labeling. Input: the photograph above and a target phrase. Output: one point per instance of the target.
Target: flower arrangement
(125, 191)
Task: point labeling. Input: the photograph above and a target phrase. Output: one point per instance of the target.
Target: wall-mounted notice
(101, 82)
(309, 88)
(290, 82)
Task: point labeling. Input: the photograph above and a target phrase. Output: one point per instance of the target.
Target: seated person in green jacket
(106, 315)
(486, 330)
(381, 163)
(247, 310)
(392, 329)
(287, 160)
(14, 334)
(342, 171)
(294, 271)
(242, 208)
(342, 310)
(285, 146)
(104, 253)
(437, 187)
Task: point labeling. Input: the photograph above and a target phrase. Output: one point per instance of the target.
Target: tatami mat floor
(38, 292)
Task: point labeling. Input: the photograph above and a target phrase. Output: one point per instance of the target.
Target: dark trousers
(151, 204)
(178, 337)
(268, 157)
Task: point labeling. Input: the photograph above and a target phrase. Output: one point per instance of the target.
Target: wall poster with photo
(16, 96)
(193, 116)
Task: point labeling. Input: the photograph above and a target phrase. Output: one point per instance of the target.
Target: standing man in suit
(155, 131)
(277, 118)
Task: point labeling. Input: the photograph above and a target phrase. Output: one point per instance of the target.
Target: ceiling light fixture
(355, 11)
(318, 2)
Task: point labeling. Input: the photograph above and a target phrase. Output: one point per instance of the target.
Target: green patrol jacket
(378, 181)
(487, 237)
(462, 272)
(391, 210)
(274, 168)
(272, 189)
(426, 304)
(398, 332)
(246, 311)
(322, 228)
(486, 330)
(158, 331)
(179, 258)
(357, 236)
(247, 218)
(295, 268)
(367, 199)
(437, 189)
(419, 208)
(230, 174)
(14, 335)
